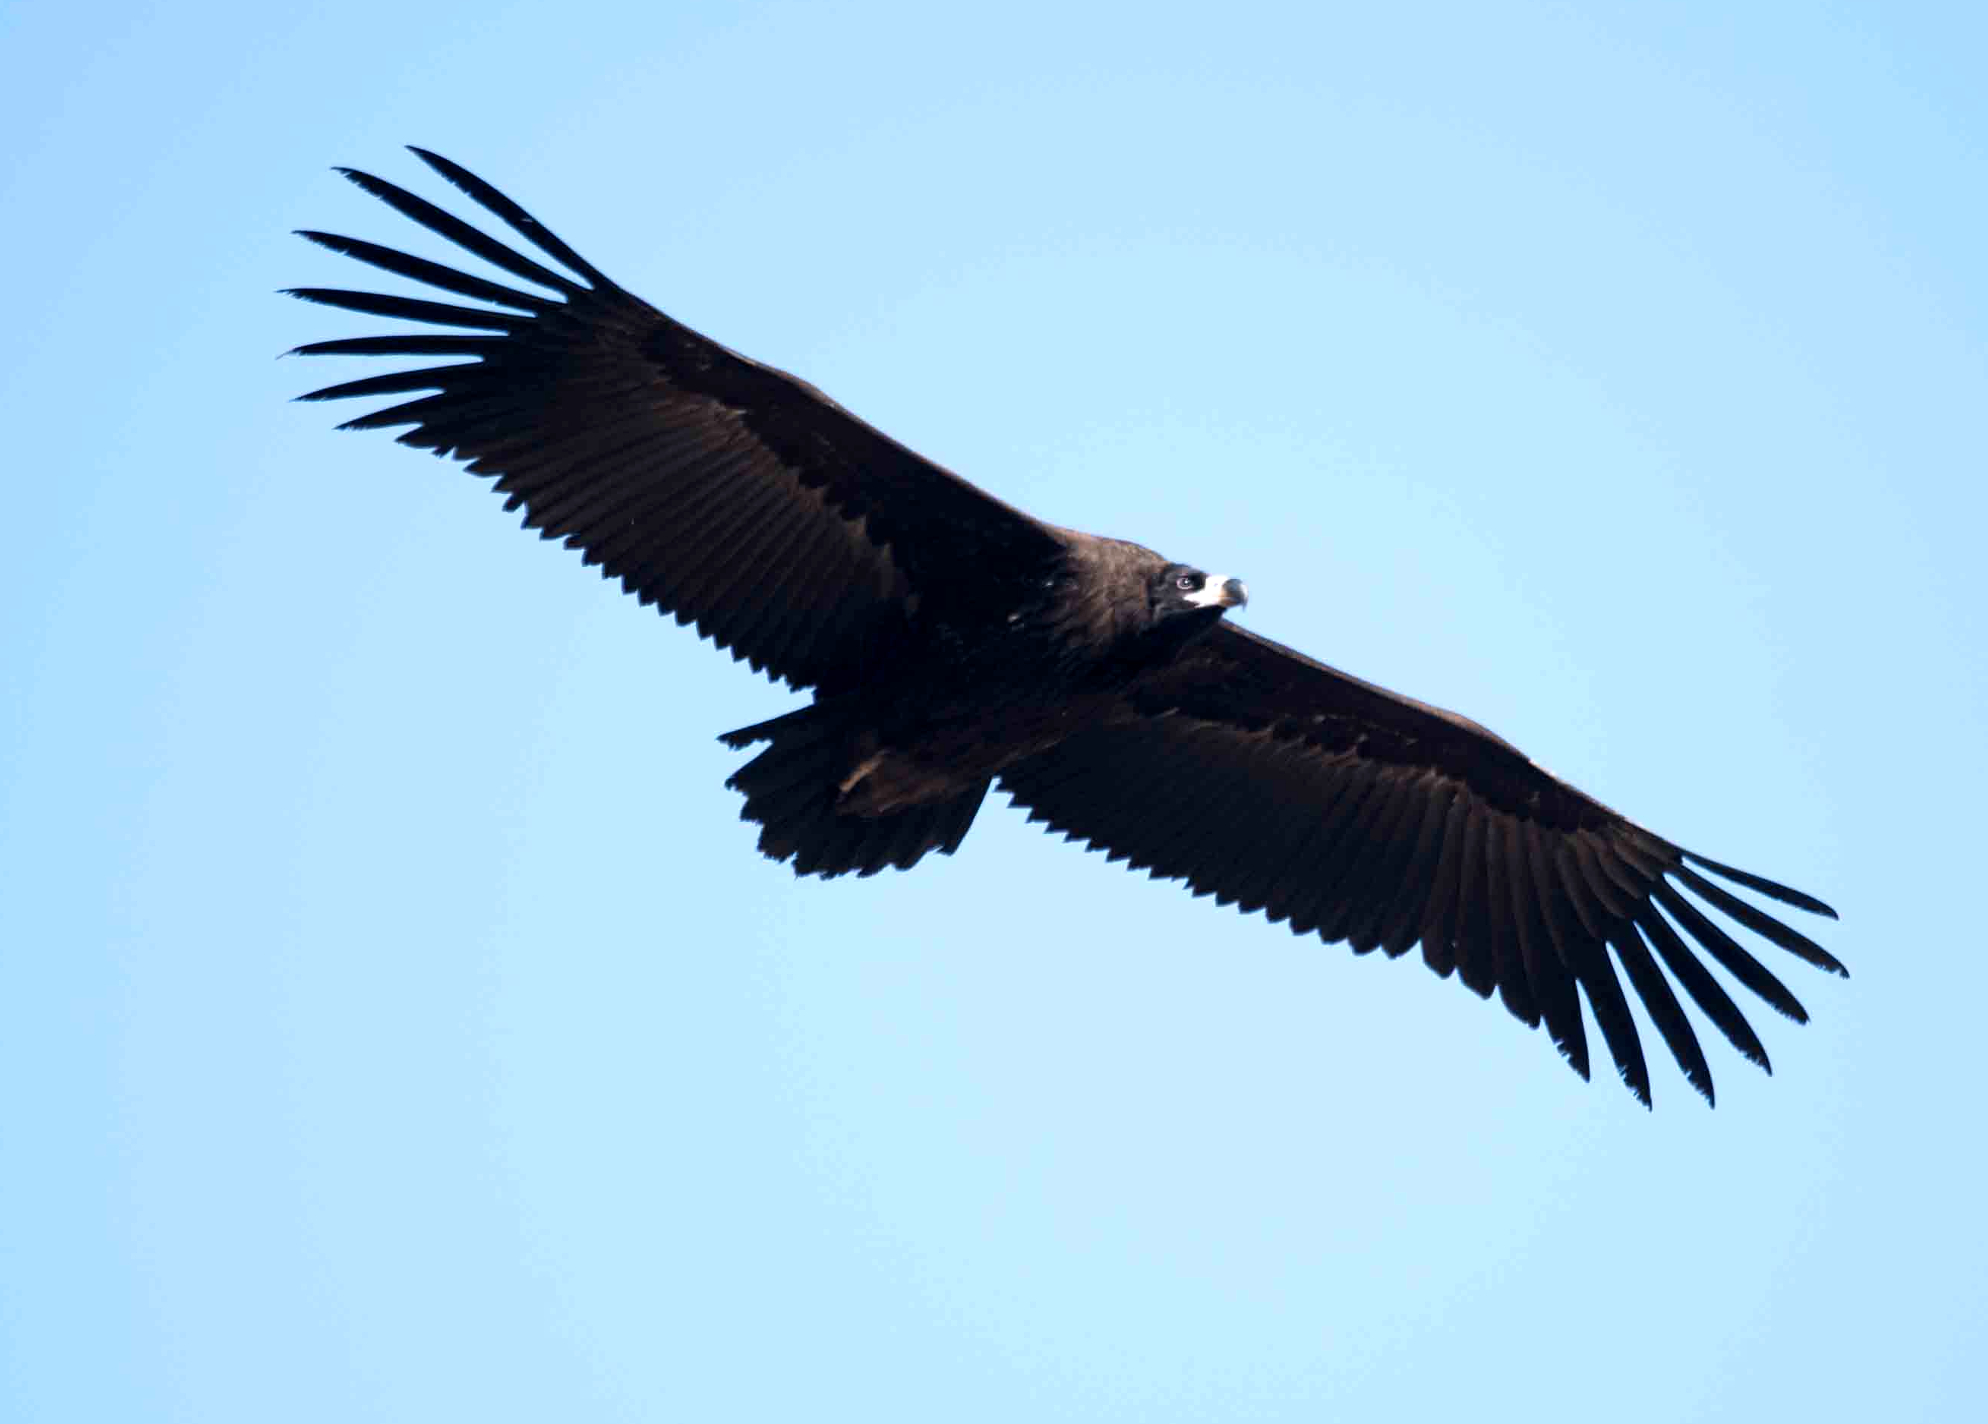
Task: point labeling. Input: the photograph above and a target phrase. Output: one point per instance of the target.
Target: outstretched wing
(723, 491)
(1279, 784)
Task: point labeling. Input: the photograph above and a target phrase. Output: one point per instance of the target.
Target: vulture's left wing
(1279, 784)
(721, 490)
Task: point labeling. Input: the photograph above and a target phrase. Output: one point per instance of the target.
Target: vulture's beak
(1220, 591)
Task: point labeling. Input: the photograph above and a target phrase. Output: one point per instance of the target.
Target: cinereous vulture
(952, 641)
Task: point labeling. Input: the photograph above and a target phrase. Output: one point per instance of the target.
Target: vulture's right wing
(1279, 784)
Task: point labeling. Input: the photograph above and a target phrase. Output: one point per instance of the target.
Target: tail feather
(793, 790)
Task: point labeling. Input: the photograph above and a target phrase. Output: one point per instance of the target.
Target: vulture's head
(1186, 598)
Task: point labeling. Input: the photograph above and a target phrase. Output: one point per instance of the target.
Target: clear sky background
(396, 1022)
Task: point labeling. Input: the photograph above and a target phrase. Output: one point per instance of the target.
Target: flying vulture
(952, 641)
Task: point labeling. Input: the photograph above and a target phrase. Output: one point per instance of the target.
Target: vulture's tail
(792, 790)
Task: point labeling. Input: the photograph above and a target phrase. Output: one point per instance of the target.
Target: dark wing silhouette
(1279, 784)
(721, 490)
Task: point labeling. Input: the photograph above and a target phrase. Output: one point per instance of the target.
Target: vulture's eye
(1187, 583)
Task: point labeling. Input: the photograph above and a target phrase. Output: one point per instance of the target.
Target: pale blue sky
(395, 1020)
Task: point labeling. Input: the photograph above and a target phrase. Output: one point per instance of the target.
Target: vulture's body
(952, 642)
(881, 772)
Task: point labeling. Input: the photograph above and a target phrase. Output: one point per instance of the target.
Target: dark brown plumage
(952, 641)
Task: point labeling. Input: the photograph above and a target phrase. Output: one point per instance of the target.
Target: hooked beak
(1221, 591)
